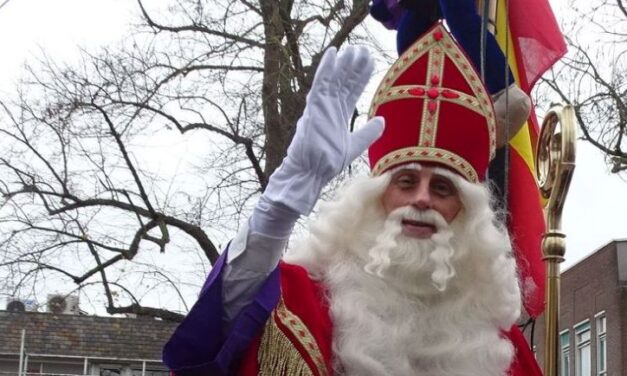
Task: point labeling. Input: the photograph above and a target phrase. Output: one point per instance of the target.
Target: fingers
(325, 76)
(344, 67)
(357, 76)
(362, 138)
(344, 74)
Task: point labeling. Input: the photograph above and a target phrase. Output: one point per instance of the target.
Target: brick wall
(587, 288)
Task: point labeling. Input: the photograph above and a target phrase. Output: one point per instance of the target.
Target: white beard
(414, 307)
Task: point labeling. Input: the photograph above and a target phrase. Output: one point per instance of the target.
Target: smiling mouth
(418, 229)
(409, 222)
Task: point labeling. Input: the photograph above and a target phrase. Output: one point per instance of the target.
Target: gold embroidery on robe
(278, 355)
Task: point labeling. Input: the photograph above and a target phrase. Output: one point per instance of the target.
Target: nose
(421, 199)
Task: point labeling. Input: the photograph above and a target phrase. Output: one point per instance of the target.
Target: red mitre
(436, 110)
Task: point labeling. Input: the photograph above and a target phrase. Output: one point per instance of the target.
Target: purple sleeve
(388, 12)
(199, 347)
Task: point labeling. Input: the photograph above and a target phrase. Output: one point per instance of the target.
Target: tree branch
(197, 28)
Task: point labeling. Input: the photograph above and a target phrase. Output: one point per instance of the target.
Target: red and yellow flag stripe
(528, 26)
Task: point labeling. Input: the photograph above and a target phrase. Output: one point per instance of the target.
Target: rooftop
(84, 336)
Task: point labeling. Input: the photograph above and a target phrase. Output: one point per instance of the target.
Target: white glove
(322, 146)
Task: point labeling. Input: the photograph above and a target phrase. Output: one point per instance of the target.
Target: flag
(532, 42)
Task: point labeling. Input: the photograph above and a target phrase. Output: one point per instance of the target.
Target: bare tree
(83, 198)
(593, 76)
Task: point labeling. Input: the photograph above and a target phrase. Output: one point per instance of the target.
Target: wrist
(273, 219)
(295, 188)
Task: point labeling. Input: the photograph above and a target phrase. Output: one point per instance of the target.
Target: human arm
(245, 287)
(321, 148)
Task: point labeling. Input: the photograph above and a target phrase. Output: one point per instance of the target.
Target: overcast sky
(596, 208)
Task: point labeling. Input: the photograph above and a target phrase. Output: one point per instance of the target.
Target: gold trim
(430, 117)
(480, 103)
(277, 353)
(403, 92)
(482, 98)
(426, 154)
(412, 54)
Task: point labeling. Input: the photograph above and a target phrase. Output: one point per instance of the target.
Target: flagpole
(555, 166)
(484, 12)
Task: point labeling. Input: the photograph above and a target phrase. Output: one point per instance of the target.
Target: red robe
(299, 334)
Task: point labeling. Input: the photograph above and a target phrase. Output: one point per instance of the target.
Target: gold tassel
(278, 356)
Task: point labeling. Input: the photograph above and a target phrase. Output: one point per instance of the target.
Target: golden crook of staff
(555, 165)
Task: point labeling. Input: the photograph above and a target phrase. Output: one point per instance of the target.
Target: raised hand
(322, 145)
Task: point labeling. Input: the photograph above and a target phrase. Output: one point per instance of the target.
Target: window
(565, 353)
(601, 344)
(151, 372)
(110, 371)
(582, 356)
(157, 373)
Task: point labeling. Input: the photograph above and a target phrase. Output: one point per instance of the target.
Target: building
(72, 344)
(593, 315)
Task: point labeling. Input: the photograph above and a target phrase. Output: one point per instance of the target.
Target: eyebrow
(451, 176)
(405, 171)
(443, 177)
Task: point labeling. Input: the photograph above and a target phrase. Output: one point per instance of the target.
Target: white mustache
(429, 216)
